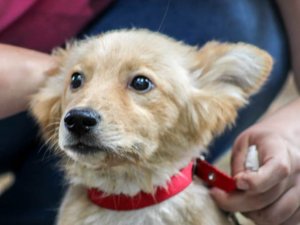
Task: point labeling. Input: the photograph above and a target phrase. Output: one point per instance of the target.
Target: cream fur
(148, 136)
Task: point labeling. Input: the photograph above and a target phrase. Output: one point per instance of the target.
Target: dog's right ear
(45, 105)
(223, 77)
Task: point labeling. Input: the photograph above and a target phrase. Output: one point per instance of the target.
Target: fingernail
(242, 185)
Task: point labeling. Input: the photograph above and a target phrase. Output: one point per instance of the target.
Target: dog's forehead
(131, 46)
(136, 42)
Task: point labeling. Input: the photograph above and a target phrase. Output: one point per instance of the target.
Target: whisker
(164, 16)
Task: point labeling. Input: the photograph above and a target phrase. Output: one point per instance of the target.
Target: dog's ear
(224, 76)
(45, 105)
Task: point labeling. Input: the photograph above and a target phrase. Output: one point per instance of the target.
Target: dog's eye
(141, 84)
(77, 79)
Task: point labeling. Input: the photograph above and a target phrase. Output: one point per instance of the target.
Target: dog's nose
(81, 120)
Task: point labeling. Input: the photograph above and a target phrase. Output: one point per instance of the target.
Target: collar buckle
(212, 176)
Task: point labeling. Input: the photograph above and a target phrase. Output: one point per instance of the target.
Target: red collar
(177, 183)
(124, 202)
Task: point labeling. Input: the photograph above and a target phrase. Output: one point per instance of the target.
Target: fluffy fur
(145, 137)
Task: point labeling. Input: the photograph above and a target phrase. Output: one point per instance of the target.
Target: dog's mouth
(95, 156)
(83, 148)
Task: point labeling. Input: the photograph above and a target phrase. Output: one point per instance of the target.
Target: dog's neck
(128, 180)
(175, 185)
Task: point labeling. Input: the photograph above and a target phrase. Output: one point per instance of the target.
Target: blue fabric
(37, 192)
(35, 196)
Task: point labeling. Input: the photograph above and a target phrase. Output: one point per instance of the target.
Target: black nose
(81, 120)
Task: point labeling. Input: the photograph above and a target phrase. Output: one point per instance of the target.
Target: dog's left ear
(45, 105)
(224, 76)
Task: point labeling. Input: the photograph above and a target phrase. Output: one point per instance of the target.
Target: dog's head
(137, 97)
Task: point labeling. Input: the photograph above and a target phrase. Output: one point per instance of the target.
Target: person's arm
(272, 194)
(22, 71)
(290, 10)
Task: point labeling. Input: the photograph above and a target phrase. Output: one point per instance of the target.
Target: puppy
(129, 111)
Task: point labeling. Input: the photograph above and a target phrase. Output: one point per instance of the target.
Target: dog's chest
(191, 207)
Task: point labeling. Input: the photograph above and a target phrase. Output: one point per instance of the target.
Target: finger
(247, 201)
(294, 220)
(239, 152)
(269, 175)
(278, 212)
(275, 167)
(226, 201)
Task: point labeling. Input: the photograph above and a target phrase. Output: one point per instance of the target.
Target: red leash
(209, 174)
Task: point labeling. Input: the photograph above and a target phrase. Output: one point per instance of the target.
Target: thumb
(239, 154)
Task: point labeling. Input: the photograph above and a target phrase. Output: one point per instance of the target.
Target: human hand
(22, 72)
(272, 194)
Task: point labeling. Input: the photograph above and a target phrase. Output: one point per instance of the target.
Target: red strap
(124, 202)
(214, 177)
